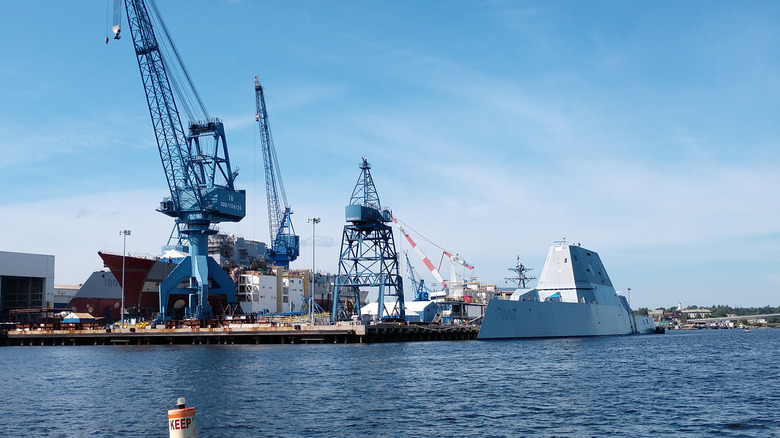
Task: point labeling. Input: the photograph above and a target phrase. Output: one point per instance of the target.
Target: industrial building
(26, 282)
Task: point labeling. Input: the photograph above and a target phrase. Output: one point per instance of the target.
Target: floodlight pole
(314, 221)
(124, 234)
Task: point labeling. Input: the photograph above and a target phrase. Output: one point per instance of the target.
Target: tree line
(719, 311)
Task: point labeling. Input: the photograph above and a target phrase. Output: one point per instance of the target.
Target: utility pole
(124, 234)
(313, 221)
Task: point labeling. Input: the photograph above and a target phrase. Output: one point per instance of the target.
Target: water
(702, 383)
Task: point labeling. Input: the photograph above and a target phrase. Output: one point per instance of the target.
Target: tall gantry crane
(368, 256)
(196, 164)
(284, 242)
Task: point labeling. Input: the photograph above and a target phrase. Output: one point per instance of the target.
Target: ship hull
(100, 296)
(97, 307)
(574, 297)
(134, 271)
(505, 319)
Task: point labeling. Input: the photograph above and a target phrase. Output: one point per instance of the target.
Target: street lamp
(124, 234)
(313, 221)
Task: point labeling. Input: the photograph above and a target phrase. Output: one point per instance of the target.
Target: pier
(239, 334)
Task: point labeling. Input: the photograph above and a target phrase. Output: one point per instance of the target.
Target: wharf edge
(292, 334)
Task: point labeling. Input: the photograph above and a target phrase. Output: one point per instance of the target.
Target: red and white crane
(454, 286)
(456, 259)
(417, 249)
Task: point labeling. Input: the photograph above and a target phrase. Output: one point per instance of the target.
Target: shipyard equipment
(368, 257)
(195, 161)
(284, 242)
(421, 291)
(428, 264)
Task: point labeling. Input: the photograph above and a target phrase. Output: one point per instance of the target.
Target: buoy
(181, 421)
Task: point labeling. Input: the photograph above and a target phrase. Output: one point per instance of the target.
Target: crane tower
(368, 256)
(421, 291)
(197, 169)
(284, 243)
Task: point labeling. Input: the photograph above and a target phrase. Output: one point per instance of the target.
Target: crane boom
(425, 259)
(197, 169)
(458, 259)
(162, 106)
(284, 243)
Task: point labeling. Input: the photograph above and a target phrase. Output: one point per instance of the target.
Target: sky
(645, 131)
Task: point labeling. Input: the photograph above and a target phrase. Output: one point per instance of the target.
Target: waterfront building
(26, 282)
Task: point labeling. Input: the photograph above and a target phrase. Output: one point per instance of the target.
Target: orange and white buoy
(181, 421)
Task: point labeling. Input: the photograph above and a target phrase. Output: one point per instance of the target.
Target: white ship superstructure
(574, 297)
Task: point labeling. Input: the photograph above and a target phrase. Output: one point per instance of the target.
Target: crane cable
(114, 25)
(188, 94)
(444, 250)
(418, 234)
(275, 164)
(117, 27)
(254, 182)
(108, 19)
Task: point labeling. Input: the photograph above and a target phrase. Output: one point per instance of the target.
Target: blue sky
(646, 131)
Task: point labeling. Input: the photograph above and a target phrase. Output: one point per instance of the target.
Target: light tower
(124, 234)
(368, 257)
(314, 221)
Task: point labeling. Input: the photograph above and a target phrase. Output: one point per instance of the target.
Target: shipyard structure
(363, 302)
(212, 287)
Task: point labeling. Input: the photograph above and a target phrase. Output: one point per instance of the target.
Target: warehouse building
(26, 282)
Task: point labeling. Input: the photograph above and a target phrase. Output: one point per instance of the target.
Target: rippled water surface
(702, 383)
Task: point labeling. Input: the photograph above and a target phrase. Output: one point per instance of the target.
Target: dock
(240, 334)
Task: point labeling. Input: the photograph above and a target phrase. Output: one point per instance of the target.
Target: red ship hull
(142, 277)
(136, 272)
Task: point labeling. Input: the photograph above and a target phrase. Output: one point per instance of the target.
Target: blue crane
(196, 165)
(285, 245)
(421, 291)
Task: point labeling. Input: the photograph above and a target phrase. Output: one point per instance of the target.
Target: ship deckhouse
(573, 274)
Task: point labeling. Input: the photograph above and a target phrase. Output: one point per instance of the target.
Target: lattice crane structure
(195, 161)
(368, 256)
(421, 291)
(285, 245)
